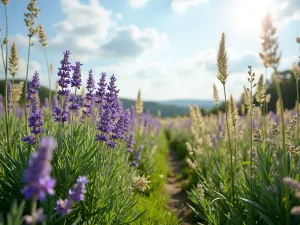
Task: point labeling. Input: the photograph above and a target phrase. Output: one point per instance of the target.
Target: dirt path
(178, 198)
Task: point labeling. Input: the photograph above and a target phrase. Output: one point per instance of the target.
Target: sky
(166, 48)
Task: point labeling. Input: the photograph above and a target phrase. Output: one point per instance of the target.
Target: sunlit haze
(166, 48)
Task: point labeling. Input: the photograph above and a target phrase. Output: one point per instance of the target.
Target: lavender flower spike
(137, 158)
(34, 85)
(64, 207)
(77, 194)
(131, 142)
(64, 74)
(76, 78)
(37, 177)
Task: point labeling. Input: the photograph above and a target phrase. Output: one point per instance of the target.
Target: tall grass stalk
(26, 83)
(230, 147)
(49, 75)
(5, 69)
(265, 104)
(297, 105)
(285, 165)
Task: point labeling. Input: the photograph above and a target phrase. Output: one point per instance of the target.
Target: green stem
(230, 148)
(218, 125)
(297, 105)
(285, 166)
(5, 68)
(265, 103)
(251, 147)
(26, 79)
(46, 57)
(33, 209)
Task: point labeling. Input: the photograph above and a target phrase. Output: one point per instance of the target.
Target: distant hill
(206, 104)
(167, 110)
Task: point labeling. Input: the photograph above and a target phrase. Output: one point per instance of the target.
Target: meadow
(80, 157)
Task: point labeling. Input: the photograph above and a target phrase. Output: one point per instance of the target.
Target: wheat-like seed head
(139, 103)
(198, 116)
(278, 106)
(269, 54)
(222, 61)
(14, 60)
(296, 71)
(261, 90)
(233, 112)
(16, 92)
(5, 2)
(42, 36)
(30, 18)
(215, 94)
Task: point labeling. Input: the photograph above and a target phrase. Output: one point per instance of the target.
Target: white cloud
(180, 6)
(90, 30)
(119, 16)
(191, 77)
(138, 3)
(283, 22)
(131, 41)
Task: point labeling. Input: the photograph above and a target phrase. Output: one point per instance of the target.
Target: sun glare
(249, 13)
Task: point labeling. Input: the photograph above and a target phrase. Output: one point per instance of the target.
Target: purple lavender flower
(90, 82)
(64, 207)
(77, 194)
(109, 114)
(35, 122)
(100, 93)
(88, 100)
(112, 94)
(122, 126)
(2, 110)
(54, 104)
(61, 115)
(76, 78)
(215, 140)
(36, 116)
(275, 117)
(131, 142)
(64, 74)
(75, 101)
(137, 158)
(37, 177)
(33, 87)
(38, 217)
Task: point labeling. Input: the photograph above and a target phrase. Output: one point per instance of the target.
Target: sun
(248, 14)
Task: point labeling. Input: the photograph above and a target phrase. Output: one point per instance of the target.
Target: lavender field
(74, 151)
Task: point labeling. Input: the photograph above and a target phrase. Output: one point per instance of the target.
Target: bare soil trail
(178, 197)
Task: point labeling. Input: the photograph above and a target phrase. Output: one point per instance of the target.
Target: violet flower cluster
(36, 115)
(38, 179)
(109, 114)
(138, 156)
(33, 87)
(61, 115)
(100, 93)
(131, 142)
(88, 100)
(76, 78)
(64, 74)
(75, 195)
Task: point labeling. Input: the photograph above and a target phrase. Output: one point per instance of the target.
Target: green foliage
(154, 200)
